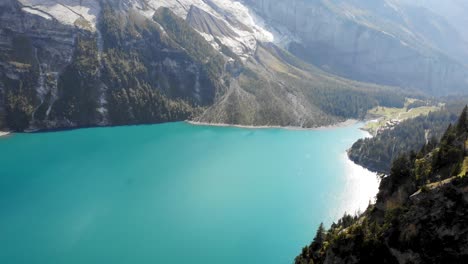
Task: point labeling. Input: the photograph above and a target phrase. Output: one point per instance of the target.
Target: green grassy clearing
(384, 115)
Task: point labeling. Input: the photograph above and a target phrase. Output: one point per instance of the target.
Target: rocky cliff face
(454, 11)
(34, 50)
(376, 41)
(432, 228)
(86, 63)
(75, 63)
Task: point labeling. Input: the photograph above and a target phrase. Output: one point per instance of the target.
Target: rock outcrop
(34, 50)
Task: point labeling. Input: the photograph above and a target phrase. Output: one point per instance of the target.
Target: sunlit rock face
(454, 11)
(377, 41)
(231, 23)
(248, 28)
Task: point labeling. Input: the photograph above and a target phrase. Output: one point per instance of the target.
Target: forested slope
(377, 153)
(420, 216)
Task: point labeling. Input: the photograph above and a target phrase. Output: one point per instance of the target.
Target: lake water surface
(174, 193)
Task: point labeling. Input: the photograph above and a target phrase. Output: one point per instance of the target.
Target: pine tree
(449, 135)
(319, 238)
(462, 125)
(401, 169)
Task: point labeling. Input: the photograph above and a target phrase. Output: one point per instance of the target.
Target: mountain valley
(96, 63)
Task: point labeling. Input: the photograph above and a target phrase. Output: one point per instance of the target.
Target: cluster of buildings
(390, 124)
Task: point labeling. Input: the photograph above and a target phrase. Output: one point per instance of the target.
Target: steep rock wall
(340, 39)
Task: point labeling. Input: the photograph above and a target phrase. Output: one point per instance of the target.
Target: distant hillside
(454, 11)
(379, 41)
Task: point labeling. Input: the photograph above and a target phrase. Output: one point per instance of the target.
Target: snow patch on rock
(248, 26)
(65, 11)
(179, 7)
(37, 12)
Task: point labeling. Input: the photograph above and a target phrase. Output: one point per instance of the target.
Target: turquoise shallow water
(171, 193)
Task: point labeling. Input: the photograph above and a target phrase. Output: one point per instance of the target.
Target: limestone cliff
(377, 41)
(75, 63)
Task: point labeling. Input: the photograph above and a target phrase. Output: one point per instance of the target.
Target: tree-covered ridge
(150, 79)
(194, 44)
(420, 215)
(78, 85)
(338, 96)
(275, 88)
(378, 152)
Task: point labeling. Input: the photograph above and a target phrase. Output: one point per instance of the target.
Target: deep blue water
(173, 193)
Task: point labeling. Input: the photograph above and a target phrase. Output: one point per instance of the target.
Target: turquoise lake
(174, 193)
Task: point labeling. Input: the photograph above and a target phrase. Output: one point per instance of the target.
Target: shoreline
(361, 183)
(346, 123)
(361, 187)
(342, 124)
(367, 121)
